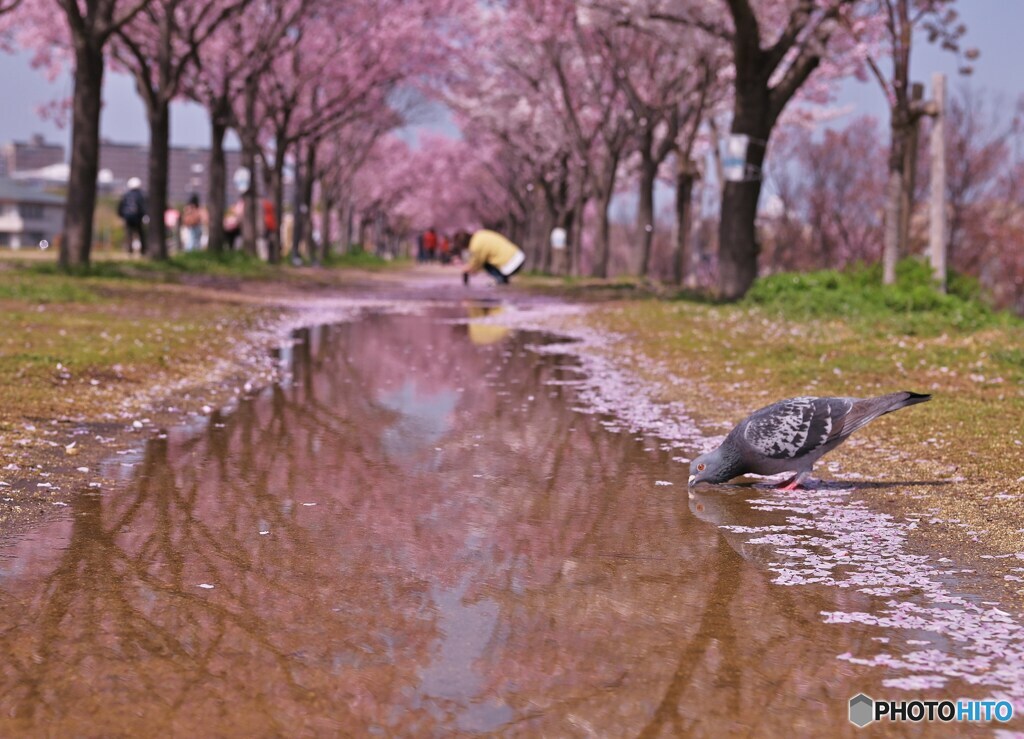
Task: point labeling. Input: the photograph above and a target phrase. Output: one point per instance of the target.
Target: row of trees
(567, 104)
(298, 80)
(561, 105)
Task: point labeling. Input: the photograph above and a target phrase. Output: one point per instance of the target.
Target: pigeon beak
(690, 481)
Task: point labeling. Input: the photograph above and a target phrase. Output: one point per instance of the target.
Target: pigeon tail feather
(896, 401)
(914, 398)
(867, 410)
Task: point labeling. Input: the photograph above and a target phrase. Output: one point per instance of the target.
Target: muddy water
(414, 534)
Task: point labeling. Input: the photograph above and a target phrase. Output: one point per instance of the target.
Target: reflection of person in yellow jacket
(490, 251)
(482, 333)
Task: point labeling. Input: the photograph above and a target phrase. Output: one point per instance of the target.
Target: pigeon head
(715, 467)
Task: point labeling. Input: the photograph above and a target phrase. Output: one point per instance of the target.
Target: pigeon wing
(796, 427)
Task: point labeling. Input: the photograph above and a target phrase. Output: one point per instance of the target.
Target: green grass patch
(225, 264)
(41, 289)
(912, 306)
(361, 260)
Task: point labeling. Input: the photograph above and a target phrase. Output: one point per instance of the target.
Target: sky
(991, 27)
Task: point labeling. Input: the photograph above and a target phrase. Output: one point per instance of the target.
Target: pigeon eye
(700, 467)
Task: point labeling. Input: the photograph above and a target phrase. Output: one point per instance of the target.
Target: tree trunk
(216, 196)
(326, 211)
(159, 157)
(347, 225)
(602, 246)
(275, 184)
(645, 209)
(547, 225)
(682, 257)
(738, 247)
(574, 266)
(605, 191)
(251, 217)
(298, 221)
(304, 213)
(76, 244)
(892, 247)
(567, 220)
(910, 169)
(250, 204)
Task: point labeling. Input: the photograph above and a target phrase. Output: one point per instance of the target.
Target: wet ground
(424, 531)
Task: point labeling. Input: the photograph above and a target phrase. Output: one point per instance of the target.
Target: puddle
(418, 532)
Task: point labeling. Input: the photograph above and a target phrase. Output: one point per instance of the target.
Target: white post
(938, 237)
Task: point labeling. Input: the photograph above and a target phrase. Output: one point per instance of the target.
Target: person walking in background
(233, 225)
(193, 218)
(444, 249)
(430, 244)
(491, 252)
(132, 210)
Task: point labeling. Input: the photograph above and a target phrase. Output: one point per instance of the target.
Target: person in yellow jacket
(492, 252)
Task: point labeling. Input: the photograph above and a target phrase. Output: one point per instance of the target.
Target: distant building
(27, 216)
(19, 156)
(39, 162)
(188, 168)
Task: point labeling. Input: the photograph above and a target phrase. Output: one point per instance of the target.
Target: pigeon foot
(793, 483)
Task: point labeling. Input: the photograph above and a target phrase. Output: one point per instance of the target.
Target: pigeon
(791, 435)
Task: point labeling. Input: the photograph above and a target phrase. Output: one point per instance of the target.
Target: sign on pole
(242, 179)
(734, 157)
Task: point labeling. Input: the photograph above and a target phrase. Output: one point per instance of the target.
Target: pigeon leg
(794, 482)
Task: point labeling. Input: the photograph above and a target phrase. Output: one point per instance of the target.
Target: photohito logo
(864, 709)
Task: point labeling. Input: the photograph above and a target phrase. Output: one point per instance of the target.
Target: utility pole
(938, 239)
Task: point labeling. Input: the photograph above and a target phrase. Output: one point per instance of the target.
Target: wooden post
(938, 238)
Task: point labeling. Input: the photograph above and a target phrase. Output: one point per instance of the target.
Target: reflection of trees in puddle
(504, 560)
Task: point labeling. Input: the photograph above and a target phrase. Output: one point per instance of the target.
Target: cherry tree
(346, 65)
(831, 186)
(8, 5)
(667, 75)
(82, 36)
(599, 122)
(238, 52)
(901, 20)
(159, 48)
(506, 103)
(344, 154)
(979, 157)
(775, 48)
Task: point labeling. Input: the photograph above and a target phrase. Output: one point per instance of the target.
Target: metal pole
(938, 238)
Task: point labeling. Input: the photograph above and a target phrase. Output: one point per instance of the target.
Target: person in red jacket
(430, 244)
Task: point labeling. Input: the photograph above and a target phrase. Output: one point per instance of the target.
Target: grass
(230, 264)
(80, 358)
(225, 264)
(118, 322)
(912, 306)
(44, 289)
(363, 260)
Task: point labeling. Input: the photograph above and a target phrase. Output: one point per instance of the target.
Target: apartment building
(27, 215)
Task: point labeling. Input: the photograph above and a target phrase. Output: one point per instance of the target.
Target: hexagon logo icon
(862, 710)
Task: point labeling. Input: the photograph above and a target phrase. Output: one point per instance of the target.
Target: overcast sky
(992, 24)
